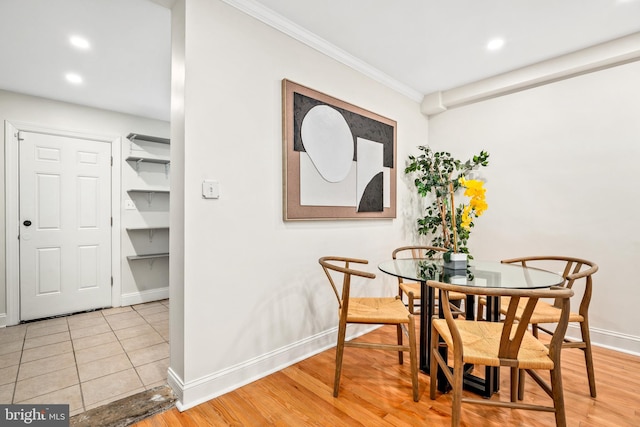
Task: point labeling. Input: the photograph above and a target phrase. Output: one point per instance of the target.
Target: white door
(65, 225)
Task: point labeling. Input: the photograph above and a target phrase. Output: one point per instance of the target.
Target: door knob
(27, 223)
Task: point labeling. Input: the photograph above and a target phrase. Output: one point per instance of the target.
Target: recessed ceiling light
(73, 78)
(495, 44)
(79, 42)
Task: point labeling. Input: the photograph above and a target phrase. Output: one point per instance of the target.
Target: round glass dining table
(487, 274)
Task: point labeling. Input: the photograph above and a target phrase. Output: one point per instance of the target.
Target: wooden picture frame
(339, 159)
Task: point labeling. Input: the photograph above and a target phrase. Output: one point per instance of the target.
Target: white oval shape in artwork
(328, 141)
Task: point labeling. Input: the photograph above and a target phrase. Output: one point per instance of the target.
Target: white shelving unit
(144, 149)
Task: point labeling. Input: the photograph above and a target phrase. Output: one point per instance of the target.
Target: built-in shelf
(144, 159)
(150, 230)
(137, 136)
(146, 228)
(142, 190)
(148, 256)
(139, 159)
(149, 193)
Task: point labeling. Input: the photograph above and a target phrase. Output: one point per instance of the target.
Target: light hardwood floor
(376, 391)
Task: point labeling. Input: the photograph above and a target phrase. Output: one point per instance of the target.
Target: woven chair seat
(482, 341)
(377, 311)
(415, 289)
(544, 312)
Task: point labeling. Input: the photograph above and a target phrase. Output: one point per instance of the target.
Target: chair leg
(399, 333)
(433, 366)
(411, 303)
(480, 311)
(558, 397)
(521, 377)
(413, 357)
(342, 330)
(588, 357)
(456, 405)
(515, 381)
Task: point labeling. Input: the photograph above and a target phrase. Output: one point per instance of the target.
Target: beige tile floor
(86, 360)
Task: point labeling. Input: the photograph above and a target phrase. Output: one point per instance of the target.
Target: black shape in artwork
(371, 200)
(360, 126)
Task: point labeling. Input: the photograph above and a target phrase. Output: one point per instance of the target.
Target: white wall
(562, 180)
(63, 116)
(253, 294)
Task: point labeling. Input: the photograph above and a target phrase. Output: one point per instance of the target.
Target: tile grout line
(75, 359)
(113, 331)
(144, 386)
(125, 350)
(15, 383)
(24, 341)
(156, 331)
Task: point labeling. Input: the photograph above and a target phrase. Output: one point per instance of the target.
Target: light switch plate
(210, 189)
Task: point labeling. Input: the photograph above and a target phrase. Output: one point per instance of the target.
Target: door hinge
(111, 160)
(112, 221)
(19, 136)
(112, 281)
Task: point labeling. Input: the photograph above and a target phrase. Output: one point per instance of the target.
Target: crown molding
(310, 39)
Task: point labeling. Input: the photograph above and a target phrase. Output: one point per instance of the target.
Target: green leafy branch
(438, 174)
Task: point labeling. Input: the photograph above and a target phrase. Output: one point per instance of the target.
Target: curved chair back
(570, 268)
(341, 265)
(417, 252)
(574, 271)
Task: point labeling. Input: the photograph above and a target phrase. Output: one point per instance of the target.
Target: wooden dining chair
(574, 271)
(508, 343)
(369, 310)
(412, 289)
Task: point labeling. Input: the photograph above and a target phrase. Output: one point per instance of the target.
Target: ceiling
(421, 45)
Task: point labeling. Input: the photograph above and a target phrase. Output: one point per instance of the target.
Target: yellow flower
(466, 218)
(474, 189)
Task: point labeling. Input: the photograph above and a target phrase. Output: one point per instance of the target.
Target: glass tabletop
(487, 274)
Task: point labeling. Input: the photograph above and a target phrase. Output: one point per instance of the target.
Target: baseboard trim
(145, 296)
(195, 392)
(177, 385)
(3, 320)
(617, 341)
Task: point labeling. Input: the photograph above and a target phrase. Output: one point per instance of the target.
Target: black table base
(486, 386)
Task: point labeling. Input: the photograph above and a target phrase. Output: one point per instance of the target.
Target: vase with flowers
(438, 176)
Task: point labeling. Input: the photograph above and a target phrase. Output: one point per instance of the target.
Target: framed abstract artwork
(339, 159)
